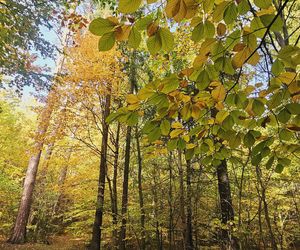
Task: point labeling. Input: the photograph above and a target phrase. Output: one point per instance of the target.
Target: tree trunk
(266, 210)
(189, 229)
(227, 212)
(170, 201)
(133, 85)
(181, 199)
(141, 198)
(122, 243)
(19, 232)
(115, 194)
(96, 235)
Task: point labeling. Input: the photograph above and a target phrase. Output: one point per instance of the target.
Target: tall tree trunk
(189, 229)
(181, 199)
(227, 212)
(96, 235)
(141, 198)
(115, 194)
(266, 210)
(122, 243)
(170, 201)
(19, 232)
(133, 84)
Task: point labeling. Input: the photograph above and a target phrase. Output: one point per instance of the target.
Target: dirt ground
(57, 243)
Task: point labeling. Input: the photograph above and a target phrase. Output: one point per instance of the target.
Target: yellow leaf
(132, 99)
(176, 132)
(287, 77)
(186, 138)
(199, 61)
(221, 115)
(219, 93)
(190, 145)
(122, 32)
(195, 111)
(177, 125)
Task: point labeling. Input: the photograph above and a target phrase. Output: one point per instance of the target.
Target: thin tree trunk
(189, 229)
(141, 198)
(170, 200)
(227, 212)
(133, 84)
(115, 194)
(96, 235)
(266, 210)
(181, 199)
(122, 243)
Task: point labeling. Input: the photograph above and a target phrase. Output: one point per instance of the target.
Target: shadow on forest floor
(64, 242)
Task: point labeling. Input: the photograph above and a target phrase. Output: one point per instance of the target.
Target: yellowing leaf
(100, 26)
(219, 93)
(129, 6)
(190, 145)
(106, 42)
(199, 61)
(177, 125)
(176, 132)
(131, 99)
(287, 77)
(221, 115)
(122, 33)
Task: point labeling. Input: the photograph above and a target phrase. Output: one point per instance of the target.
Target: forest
(149, 124)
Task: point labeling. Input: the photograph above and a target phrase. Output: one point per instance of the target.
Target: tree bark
(96, 235)
(227, 212)
(141, 198)
(133, 85)
(181, 198)
(170, 201)
(122, 243)
(189, 228)
(19, 232)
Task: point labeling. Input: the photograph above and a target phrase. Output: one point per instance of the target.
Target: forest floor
(63, 242)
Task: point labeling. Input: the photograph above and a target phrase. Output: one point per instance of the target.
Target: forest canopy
(165, 125)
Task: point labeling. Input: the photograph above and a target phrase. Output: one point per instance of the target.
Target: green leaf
(198, 33)
(129, 6)
(107, 41)
(132, 119)
(279, 168)
(100, 26)
(267, 19)
(258, 148)
(235, 141)
(263, 4)
(249, 140)
(293, 108)
(256, 159)
(209, 29)
(189, 153)
(181, 144)
(284, 116)
(258, 107)
(285, 135)
(165, 127)
(270, 162)
(203, 80)
(134, 38)
(230, 13)
(154, 134)
(277, 67)
(154, 44)
(143, 23)
(228, 123)
(243, 7)
(265, 152)
(257, 27)
(275, 100)
(167, 39)
(172, 144)
(284, 161)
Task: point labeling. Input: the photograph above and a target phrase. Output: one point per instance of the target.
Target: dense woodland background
(178, 129)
